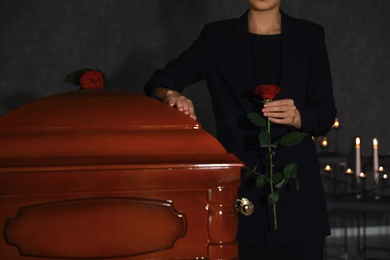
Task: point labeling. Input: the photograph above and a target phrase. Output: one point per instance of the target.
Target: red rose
(267, 92)
(92, 79)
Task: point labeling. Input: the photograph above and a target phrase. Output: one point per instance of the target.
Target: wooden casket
(113, 175)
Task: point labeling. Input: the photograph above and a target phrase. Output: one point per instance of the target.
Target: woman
(264, 46)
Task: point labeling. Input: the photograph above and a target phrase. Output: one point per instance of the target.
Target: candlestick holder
(376, 191)
(349, 180)
(361, 185)
(336, 126)
(384, 177)
(328, 179)
(340, 178)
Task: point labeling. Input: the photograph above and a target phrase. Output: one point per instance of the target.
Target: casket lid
(86, 127)
(95, 110)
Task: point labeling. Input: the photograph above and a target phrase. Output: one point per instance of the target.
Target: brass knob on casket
(245, 206)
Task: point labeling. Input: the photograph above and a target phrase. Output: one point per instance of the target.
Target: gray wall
(43, 40)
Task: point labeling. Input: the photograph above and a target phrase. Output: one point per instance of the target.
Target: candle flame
(336, 123)
(324, 142)
(357, 141)
(349, 171)
(375, 142)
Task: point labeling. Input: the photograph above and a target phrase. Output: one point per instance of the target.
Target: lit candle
(324, 142)
(349, 171)
(336, 123)
(381, 171)
(328, 168)
(375, 160)
(357, 159)
(362, 175)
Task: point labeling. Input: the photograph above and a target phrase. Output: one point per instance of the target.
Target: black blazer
(222, 56)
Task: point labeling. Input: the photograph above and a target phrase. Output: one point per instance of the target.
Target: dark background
(43, 40)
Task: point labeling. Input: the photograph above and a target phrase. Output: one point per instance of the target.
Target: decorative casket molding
(113, 175)
(52, 230)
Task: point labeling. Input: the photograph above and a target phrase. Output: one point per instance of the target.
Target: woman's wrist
(162, 93)
(297, 122)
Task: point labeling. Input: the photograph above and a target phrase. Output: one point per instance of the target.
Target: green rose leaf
(261, 180)
(277, 177)
(297, 185)
(74, 77)
(269, 153)
(280, 184)
(249, 172)
(290, 170)
(292, 138)
(264, 138)
(256, 119)
(276, 143)
(273, 198)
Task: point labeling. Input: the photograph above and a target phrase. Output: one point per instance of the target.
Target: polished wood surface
(94, 123)
(113, 175)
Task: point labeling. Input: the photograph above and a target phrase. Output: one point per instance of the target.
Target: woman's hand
(175, 99)
(283, 112)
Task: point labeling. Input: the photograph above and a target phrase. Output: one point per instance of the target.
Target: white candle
(357, 159)
(375, 160)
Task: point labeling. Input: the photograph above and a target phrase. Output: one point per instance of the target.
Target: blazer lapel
(287, 49)
(244, 60)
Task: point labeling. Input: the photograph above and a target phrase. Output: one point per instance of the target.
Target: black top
(266, 55)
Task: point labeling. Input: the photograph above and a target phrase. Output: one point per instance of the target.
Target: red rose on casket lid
(88, 78)
(92, 79)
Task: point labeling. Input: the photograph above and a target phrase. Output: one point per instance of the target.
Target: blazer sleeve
(319, 115)
(188, 68)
